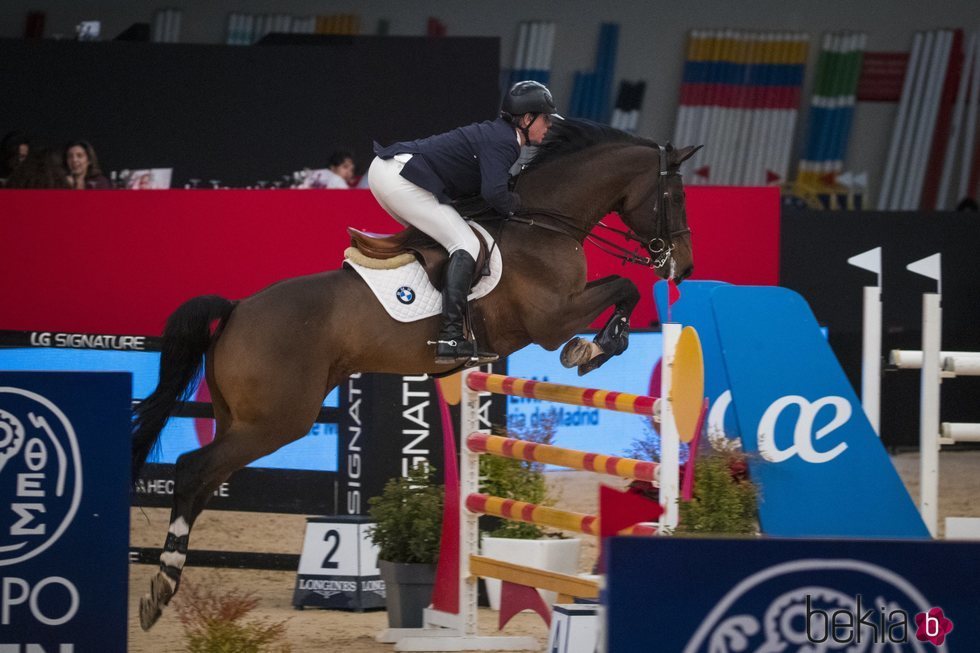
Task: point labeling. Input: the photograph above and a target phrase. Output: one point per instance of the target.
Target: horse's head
(655, 209)
(583, 171)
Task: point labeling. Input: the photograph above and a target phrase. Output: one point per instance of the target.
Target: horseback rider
(415, 181)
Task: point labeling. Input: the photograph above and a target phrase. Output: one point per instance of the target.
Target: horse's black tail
(185, 341)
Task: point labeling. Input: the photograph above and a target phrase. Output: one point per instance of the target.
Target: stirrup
(463, 352)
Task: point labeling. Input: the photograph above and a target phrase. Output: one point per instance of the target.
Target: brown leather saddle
(427, 251)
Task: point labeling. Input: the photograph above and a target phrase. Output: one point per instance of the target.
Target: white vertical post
(929, 418)
(469, 483)
(871, 356)
(669, 438)
(871, 338)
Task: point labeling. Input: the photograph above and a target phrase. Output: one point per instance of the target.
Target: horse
(270, 359)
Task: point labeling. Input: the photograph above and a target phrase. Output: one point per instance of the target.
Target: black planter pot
(408, 591)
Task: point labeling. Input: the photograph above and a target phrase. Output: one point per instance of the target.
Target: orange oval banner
(687, 383)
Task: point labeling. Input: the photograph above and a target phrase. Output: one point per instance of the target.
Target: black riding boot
(452, 347)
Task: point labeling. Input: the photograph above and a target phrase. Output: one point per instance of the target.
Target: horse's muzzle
(684, 274)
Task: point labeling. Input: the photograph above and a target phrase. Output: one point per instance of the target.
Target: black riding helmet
(529, 97)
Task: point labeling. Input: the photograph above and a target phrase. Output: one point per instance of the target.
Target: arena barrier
(451, 621)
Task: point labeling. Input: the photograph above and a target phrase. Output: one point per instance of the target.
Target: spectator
(341, 171)
(83, 167)
(13, 150)
(43, 168)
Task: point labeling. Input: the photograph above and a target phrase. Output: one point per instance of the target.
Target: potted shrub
(518, 542)
(407, 526)
(724, 499)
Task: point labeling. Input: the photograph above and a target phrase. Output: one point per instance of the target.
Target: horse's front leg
(584, 307)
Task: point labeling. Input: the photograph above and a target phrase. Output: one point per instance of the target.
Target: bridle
(660, 245)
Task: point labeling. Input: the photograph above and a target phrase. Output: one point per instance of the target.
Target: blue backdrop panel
(721, 596)
(583, 428)
(64, 510)
(821, 468)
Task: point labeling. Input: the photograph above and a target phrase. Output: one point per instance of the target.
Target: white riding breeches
(416, 207)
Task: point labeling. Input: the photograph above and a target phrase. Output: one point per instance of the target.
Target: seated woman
(83, 167)
(43, 168)
(13, 150)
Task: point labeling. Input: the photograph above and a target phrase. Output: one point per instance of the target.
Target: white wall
(651, 46)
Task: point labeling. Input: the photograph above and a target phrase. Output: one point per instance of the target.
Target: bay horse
(274, 356)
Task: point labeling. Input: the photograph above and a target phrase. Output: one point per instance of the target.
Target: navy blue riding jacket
(464, 162)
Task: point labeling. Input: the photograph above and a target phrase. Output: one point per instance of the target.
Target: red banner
(121, 262)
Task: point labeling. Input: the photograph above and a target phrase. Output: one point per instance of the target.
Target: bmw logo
(405, 295)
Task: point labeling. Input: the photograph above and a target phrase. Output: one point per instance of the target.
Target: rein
(660, 246)
(603, 244)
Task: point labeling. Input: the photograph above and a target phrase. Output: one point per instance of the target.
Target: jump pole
(932, 327)
(670, 459)
(871, 338)
(448, 631)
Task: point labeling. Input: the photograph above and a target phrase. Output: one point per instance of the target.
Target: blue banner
(821, 467)
(315, 452)
(733, 596)
(64, 511)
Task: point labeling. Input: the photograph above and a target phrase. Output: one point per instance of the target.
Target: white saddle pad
(406, 292)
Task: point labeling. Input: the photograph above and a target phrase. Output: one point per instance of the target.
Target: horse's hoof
(593, 363)
(151, 605)
(579, 351)
(150, 611)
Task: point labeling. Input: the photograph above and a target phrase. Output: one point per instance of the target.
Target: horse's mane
(571, 135)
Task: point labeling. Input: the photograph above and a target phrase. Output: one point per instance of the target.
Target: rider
(415, 181)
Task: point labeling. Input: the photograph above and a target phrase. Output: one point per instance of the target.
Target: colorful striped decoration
(629, 102)
(961, 161)
(832, 108)
(591, 90)
(166, 25)
(531, 513)
(532, 52)
(551, 455)
(566, 394)
(915, 125)
(347, 24)
(740, 97)
(246, 29)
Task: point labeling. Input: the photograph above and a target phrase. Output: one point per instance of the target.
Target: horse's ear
(685, 153)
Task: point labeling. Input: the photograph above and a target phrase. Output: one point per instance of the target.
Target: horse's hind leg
(197, 475)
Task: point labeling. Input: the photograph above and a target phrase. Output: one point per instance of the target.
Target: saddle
(396, 250)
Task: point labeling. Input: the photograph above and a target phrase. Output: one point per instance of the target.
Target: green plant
(521, 480)
(213, 623)
(724, 501)
(408, 518)
(648, 446)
